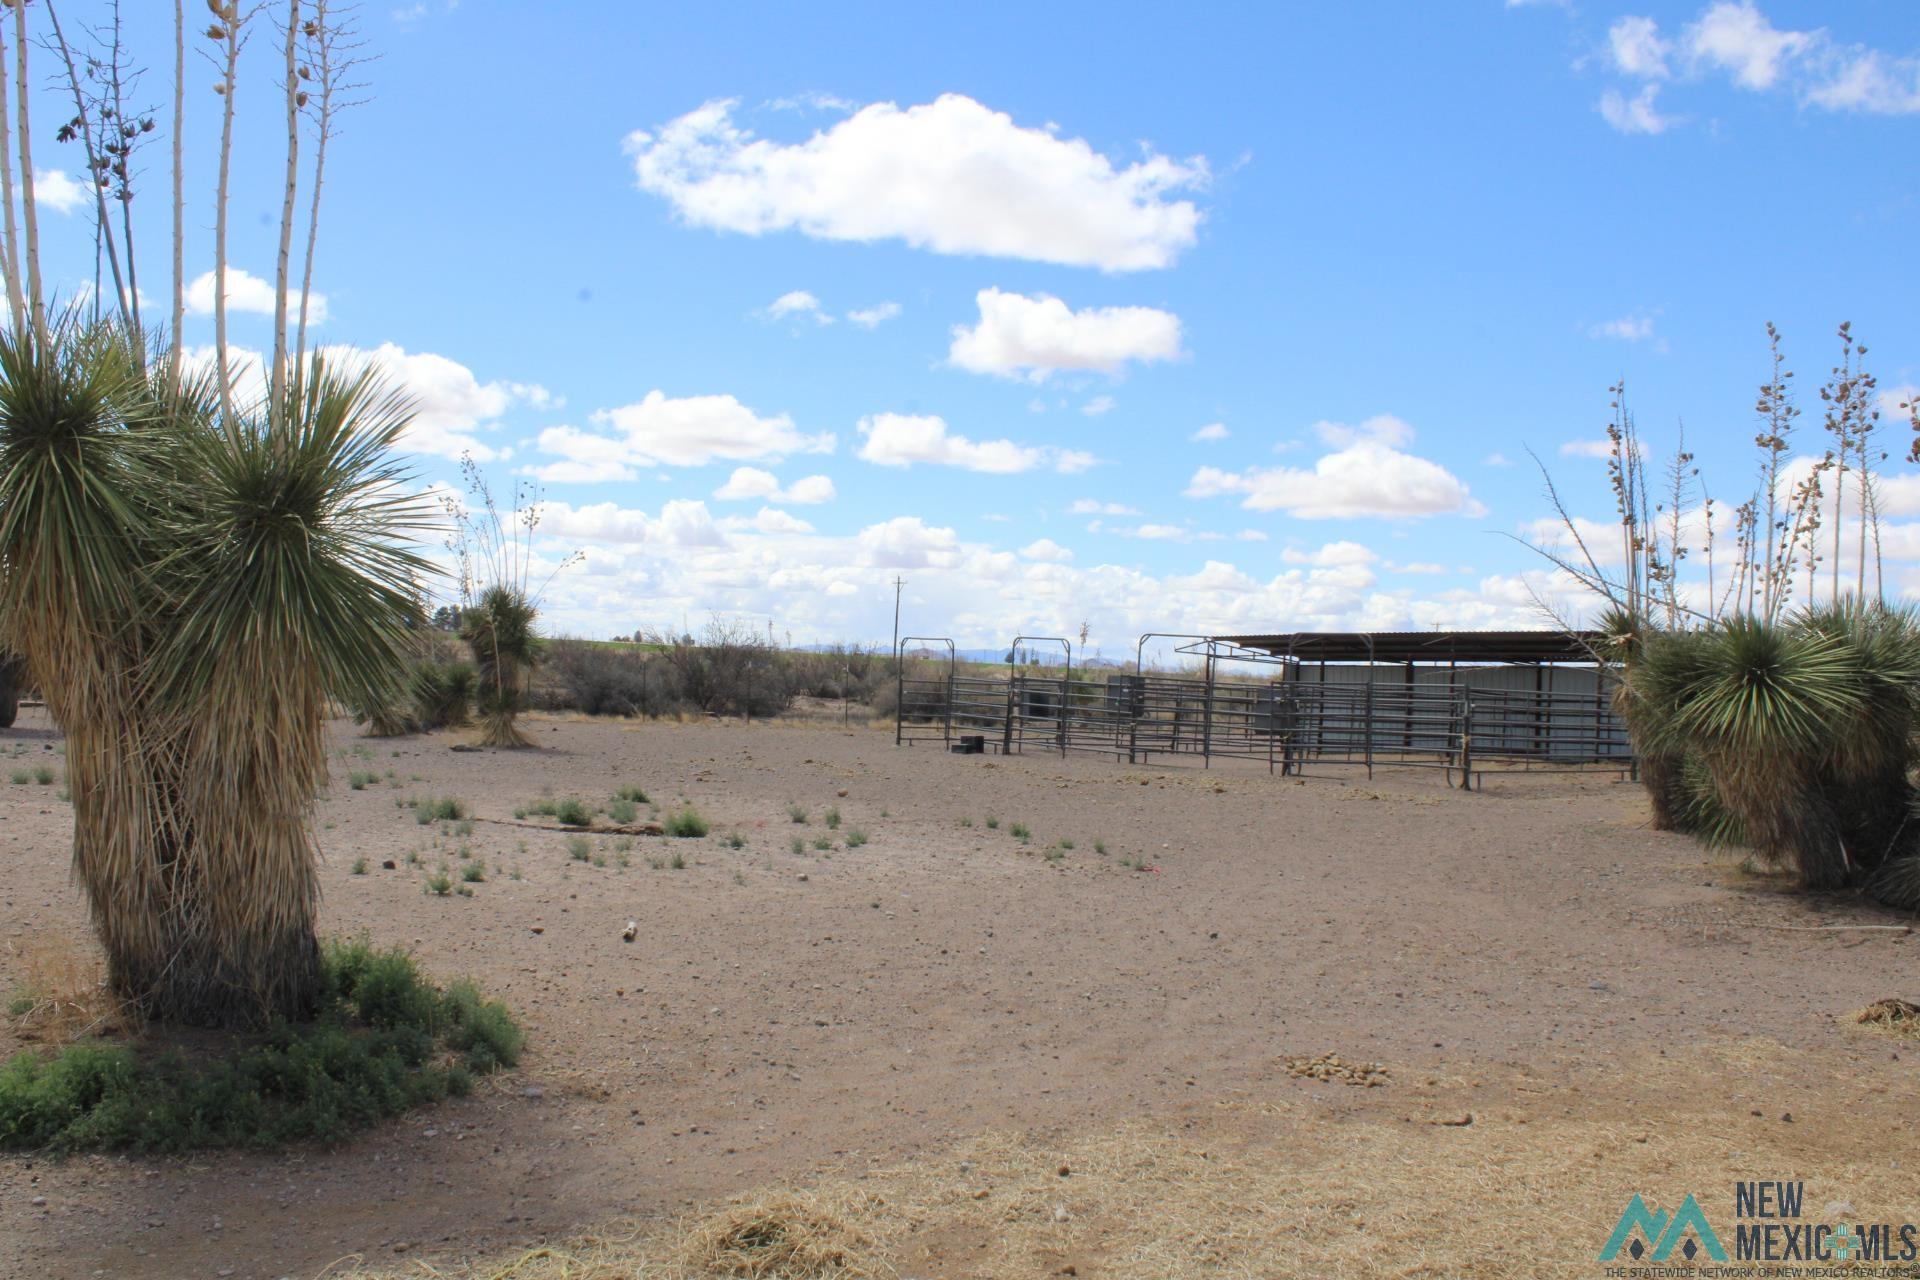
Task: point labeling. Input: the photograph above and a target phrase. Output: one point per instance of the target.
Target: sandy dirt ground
(787, 1015)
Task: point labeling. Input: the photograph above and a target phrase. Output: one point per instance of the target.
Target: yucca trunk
(188, 596)
(1788, 817)
(503, 697)
(252, 759)
(126, 826)
(1663, 776)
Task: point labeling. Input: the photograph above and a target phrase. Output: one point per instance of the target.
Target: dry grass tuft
(784, 1237)
(1271, 1185)
(1902, 1017)
(1331, 1066)
(61, 993)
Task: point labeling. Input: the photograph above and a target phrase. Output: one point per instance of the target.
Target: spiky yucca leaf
(442, 693)
(76, 534)
(1651, 663)
(1868, 763)
(1897, 884)
(1761, 703)
(1701, 813)
(288, 585)
(498, 629)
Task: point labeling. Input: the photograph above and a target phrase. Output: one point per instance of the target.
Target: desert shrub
(440, 809)
(687, 823)
(843, 671)
(609, 680)
(732, 670)
(924, 702)
(386, 1039)
(572, 812)
(442, 693)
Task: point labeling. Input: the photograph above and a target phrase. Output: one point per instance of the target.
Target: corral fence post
(1206, 714)
(1066, 701)
(1466, 740)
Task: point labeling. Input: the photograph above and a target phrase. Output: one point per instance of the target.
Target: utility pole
(898, 583)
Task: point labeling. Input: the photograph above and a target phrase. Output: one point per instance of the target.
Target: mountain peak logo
(1641, 1229)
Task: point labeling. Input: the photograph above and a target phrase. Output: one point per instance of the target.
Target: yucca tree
(190, 590)
(1872, 753)
(1625, 641)
(1762, 703)
(498, 629)
(287, 585)
(77, 536)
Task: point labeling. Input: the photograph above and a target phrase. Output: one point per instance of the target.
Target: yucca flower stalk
(494, 561)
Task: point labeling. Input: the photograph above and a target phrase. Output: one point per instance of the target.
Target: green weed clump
(855, 837)
(573, 813)
(443, 809)
(385, 1040)
(687, 823)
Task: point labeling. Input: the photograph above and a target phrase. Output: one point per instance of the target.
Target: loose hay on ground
(1900, 1017)
(1331, 1066)
(784, 1237)
(1277, 1187)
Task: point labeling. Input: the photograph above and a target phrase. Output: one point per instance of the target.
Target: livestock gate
(1305, 703)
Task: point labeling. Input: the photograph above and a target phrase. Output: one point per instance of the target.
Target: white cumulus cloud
(246, 292)
(1213, 431)
(1368, 474)
(798, 303)
(1638, 114)
(662, 430)
(1636, 48)
(53, 188)
(1019, 336)
(875, 316)
(900, 440)
(952, 176)
(1737, 38)
(1046, 549)
(751, 483)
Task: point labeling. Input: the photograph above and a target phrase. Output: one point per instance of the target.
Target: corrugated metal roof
(1425, 646)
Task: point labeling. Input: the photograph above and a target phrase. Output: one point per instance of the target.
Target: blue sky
(1243, 319)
